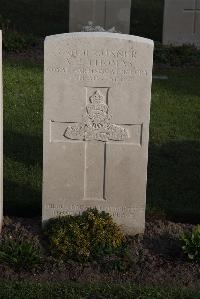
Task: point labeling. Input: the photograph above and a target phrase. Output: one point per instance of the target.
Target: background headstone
(96, 125)
(1, 135)
(106, 13)
(181, 22)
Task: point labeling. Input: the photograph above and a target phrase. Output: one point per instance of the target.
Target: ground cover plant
(84, 237)
(155, 259)
(19, 253)
(191, 244)
(19, 249)
(50, 17)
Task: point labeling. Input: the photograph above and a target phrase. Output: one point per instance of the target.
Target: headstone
(96, 125)
(105, 13)
(181, 22)
(1, 135)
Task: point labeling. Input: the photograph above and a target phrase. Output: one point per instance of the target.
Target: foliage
(186, 55)
(83, 237)
(12, 39)
(191, 244)
(19, 254)
(129, 255)
(50, 17)
(19, 248)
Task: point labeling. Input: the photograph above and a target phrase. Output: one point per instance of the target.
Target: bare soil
(155, 258)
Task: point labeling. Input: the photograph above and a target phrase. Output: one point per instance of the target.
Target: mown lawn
(23, 88)
(90, 291)
(174, 152)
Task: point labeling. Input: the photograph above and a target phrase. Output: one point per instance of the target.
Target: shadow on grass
(22, 196)
(174, 180)
(23, 148)
(21, 200)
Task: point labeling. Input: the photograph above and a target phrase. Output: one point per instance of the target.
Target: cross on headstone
(195, 11)
(97, 132)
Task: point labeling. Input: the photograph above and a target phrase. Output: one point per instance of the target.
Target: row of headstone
(181, 22)
(104, 13)
(181, 18)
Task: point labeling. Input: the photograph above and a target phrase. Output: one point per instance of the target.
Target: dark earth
(154, 258)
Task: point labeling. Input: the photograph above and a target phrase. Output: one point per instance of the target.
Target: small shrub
(191, 244)
(19, 248)
(84, 237)
(19, 254)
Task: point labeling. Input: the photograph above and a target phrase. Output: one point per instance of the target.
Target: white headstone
(106, 13)
(1, 135)
(96, 125)
(181, 22)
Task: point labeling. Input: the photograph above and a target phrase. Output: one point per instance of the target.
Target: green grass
(174, 152)
(90, 291)
(22, 138)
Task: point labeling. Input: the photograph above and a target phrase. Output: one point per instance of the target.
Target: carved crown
(97, 101)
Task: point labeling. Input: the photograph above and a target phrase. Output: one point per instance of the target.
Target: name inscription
(96, 65)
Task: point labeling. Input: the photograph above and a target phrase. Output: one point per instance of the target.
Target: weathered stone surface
(181, 22)
(96, 125)
(1, 135)
(106, 13)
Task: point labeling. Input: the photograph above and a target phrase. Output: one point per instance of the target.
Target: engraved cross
(97, 132)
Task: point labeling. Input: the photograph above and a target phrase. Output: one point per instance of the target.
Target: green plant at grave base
(191, 244)
(19, 254)
(84, 237)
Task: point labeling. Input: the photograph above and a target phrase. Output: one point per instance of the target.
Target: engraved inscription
(116, 66)
(96, 123)
(119, 212)
(96, 126)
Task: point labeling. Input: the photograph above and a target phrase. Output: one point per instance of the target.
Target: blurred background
(45, 17)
